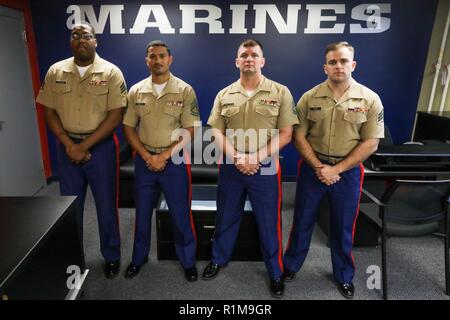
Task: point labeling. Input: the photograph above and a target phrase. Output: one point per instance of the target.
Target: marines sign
(366, 18)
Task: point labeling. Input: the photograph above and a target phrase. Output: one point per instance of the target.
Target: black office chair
(410, 208)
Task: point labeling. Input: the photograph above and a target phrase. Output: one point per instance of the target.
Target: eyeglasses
(84, 36)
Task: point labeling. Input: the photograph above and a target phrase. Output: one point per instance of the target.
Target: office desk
(204, 214)
(405, 173)
(39, 240)
(432, 126)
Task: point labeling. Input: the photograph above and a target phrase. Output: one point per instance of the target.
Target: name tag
(61, 81)
(315, 108)
(140, 104)
(175, 103)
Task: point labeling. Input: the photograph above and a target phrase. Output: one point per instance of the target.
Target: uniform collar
(237, 87)
(353, 92)
(96, 66)
(171, 87)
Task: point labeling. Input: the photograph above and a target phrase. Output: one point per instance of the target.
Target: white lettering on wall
(264, 10)
(365, 18)
(161, 21)
(238, 18)
(189, 19)
(86, 13)
(315, 17)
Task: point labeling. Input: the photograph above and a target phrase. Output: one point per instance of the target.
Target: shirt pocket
(267, 111)
(229, 110)
(267, 105)
(173, 110)
(142, 108)
(61, 91)
(62, 88)
(316, 115)
(99, 96)
(355, 117)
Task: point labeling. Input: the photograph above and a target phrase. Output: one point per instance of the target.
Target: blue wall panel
(390, 62)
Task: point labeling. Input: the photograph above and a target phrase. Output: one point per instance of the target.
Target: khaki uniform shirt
(335, 128)
(82, 103)
(271, 106)
(158, 116)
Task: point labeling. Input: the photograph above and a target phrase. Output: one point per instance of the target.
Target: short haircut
(336, 45)
(84, 24)
(157, 43)
(251, 43)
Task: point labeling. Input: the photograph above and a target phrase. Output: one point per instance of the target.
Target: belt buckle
(327, 159)
(78, 136)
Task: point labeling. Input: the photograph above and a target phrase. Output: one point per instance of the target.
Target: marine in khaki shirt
(157, 116)
(84, 97)
(82, 102)
(255, 105)
(334, 128)
(269, 106)
(157, 106)
(341, 122)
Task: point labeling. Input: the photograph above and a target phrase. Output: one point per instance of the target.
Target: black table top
(443, 114)
(25, 222)
(430, 149)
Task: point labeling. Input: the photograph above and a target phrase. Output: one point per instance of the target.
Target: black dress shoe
(277, 287)
(191, 274)
(111, 268)
(288, 275)
(211, 271)
(133, 269)
(346, 289)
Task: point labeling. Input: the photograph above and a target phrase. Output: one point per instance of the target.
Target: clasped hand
(155, 163)
(247, 164)
(327, 174)
(77, 153)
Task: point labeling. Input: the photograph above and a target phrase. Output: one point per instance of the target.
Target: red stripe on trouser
(188, 169)
(300, 163)
(280, 237)
(361, 168)
(116, 142)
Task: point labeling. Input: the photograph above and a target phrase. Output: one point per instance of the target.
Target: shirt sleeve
(216, 120)
(130, 118)
(117, 94)
(302, 109)
(46, 97)
(373, 128)
(288, 113)
(191, 112)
